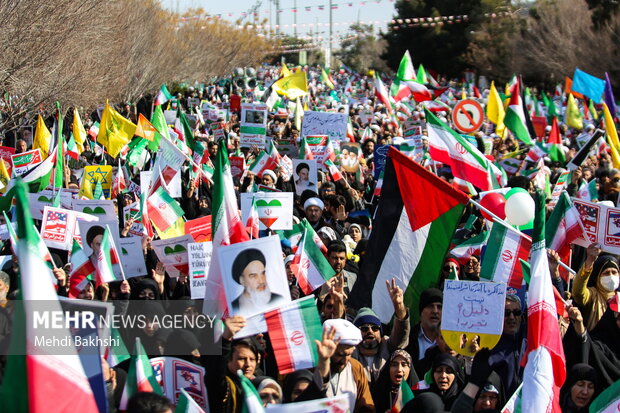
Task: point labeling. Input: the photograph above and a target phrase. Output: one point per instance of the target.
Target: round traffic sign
(467, 116)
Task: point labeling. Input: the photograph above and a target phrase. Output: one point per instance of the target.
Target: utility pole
(277, 2)
(329, 46)
(295, 17)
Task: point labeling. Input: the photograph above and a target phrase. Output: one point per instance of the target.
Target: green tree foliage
(362, 52)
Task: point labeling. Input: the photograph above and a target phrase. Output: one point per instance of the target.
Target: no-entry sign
(467, 116)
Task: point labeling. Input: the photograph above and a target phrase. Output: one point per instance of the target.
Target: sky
(365, 11)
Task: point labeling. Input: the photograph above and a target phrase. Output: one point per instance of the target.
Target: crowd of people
(358, 355)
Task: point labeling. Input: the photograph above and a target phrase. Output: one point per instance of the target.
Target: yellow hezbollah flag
(42, 138)
(285, 71)
(4, 176)
(79, 133)
(495, 110)
(115, 131)
(612, 136)
(145, 129)
(292, 86)
(86, 189)
(573, 116)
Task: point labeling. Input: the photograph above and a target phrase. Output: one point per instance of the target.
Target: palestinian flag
(186, 404)
(251, 400)
(162, 96)
(405, 395)
(140, 377)
(472, 246)
(465, 160)
(501, 259)
(555, 141)
(515, 117)
(310, 266)
(545, 365)
(608, 401)
(106, 258)
(293, 328)
(36, 378)
(81, 269)
(414, 238)
(162, 209)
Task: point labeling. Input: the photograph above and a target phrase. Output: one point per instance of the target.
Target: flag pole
(120, 264)
(515, 230)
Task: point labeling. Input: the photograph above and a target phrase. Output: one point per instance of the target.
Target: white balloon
(520, 209)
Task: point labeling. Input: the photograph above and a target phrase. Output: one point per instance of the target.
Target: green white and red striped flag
(381, 93)
(608, 401)
(140, 377)
(39, 177)
(333, 170)
(405, 395)
(260, 164)
(501, 258)
(252, 224)
(72, 148)
(106, 258)
(81, 269)
(471, 246)
(558, 188)
(310, 266)
(117, 353)
(304, 150)
(186, 404)
(587, 191)
(513, 405)
(251, 400)
(466, 161)
(162, 95)
(40, 379)
(563, 227)
(292, 330)
(162, 209)
(515, 116)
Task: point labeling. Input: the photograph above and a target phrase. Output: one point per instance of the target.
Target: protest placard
(101, 173)
(333, 125)
(132, 257)
(199, 254)
(101, 208)
(199, 228)
(174, 374)
(25, 161)
(253, 126)
(172, 252)
(601, 224)
(275, 209)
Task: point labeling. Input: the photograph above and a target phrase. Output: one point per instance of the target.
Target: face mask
(610, 282)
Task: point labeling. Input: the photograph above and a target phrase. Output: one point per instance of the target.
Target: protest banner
(253, 126)
(91, 232)
(333, 125)
(318, 147)
(25, 161)
(199, 228)
(172, 252)
(174, 374)
(473, 311)
(366, 117)
(275, 209)
(132, 257)
(199, 254)
(601, 224)
(60, 227)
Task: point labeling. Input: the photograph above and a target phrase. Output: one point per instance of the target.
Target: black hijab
(448, 396)
(580, 371)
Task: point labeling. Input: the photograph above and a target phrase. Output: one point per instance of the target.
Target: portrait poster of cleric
(254, 276)
(305, 175)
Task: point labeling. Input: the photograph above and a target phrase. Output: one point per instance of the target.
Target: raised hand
(398, 298)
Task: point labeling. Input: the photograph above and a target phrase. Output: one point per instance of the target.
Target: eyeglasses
(516, 313)
(365, 329)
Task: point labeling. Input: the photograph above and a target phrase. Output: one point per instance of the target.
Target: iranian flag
(608, 401)
(304, 150)
(260, 164)
(588, 191)
(545, 368)
(293, 328)
(186, 404)
(563, 226)
(310, 266)
(106, 258)
(415, 235)
(162, 96)
(513, 405)
(251, 400)
(405, 395)
(381, 93)
(378, 185)
(515, 116)
(333, 170)
(274, 156)
(405, 83)
(117, 353)
(118, 183)
(72, 148)
(465, 160)
(471, 246)
(501, 259)
(140, 377)
(162, 209)
(252, 224)
(227, 227)
(81, 268)
(40, 379)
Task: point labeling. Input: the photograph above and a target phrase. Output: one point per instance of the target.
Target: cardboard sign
(366, 117)
(199, 228)
(317, 145)
(336, 404)
(601, 224)
(90, 228)
(23, 162)
(132, 257)
(237, 165)
(379, 158)
(174, 374)
(349, 156)
(275, 209)
(305, 175)
(333, 125)
(38, 201)
(103, 173)
(472, 309)
(101, 208)
(199, 254)
(172, 252)
(133, 211)
(55, 228)
(237, 260)
(218, 131)
(6, 154)
(253, 125)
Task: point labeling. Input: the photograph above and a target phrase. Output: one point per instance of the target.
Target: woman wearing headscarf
(447, 379)
(386, 391)
(295, 383)
(595, 284)
(579, 389)
(268, 389)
